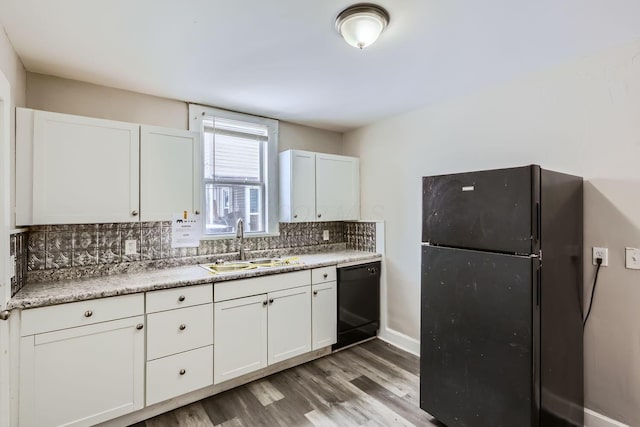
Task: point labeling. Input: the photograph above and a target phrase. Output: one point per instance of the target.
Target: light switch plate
(632, 258)
(130, 247)
(325, 235)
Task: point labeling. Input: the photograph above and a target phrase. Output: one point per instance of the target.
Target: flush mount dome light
(361, 24)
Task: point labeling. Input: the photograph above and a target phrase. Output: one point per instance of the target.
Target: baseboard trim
(594, 419)
(400, 340)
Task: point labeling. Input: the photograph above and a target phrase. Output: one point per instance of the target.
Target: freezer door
(490, 210)
(477, 340)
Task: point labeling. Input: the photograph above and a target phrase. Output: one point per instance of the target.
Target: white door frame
(5, 224)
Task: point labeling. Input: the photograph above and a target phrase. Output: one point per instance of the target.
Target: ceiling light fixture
(361, 24)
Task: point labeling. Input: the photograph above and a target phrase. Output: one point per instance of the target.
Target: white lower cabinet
(289, 320)
(181, 373)
(259, 322)
(179, 341)
(324, 312)
(83, 375)
(240, 337)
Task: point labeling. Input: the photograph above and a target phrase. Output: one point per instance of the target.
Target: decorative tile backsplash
(360, 236)
(73, 251)
(18, 249)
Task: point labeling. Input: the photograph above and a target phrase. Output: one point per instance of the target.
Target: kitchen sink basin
(227, 268)
(266, 262)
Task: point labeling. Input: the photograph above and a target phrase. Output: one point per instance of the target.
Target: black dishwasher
(358, 303)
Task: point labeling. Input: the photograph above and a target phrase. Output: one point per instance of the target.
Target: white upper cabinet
(170, 179)
(337, 187)
(81, 170)
(318, 187)
(75, 170)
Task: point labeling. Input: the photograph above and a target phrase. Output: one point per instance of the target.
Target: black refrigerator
(501, 298)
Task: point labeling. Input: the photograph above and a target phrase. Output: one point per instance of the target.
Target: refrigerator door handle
(538, 221)
(538, 286)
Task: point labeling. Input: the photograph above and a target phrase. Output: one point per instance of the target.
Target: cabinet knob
(181, 298)
(325, 275)
(270, 300)
(319, 215)
(139, 326)
(315, 292)
(183, 327)
(264, 303)
(134, 213)
(182, 372)
(197, 212)
(88, 313)
(295, 216)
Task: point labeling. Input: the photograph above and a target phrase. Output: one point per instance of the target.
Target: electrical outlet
(325, 235)
(130, 247)
(632, 258)
(602, 253)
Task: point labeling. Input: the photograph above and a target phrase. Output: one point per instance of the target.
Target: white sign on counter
(186, 230)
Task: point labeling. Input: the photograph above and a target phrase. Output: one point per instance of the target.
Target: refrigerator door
(478, 338)
(492, 210)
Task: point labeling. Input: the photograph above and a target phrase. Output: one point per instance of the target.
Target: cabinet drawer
(62, 316)
(179, 374)
(233, 289)
(175, 331)
(188, 296)
(324, 274)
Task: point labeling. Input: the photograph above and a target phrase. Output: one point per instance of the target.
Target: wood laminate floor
(372, 384)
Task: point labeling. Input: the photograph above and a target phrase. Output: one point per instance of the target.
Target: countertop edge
(72, 290)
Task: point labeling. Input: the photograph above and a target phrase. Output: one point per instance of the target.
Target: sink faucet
(240, 235)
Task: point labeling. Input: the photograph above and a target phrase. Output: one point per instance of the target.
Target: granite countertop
(63, 291)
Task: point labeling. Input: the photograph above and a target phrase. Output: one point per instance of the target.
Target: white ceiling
(283, 58)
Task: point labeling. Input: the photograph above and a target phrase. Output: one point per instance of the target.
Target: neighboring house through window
(239, 171)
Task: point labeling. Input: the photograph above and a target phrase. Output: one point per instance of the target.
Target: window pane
(237, 159)
(226, 203)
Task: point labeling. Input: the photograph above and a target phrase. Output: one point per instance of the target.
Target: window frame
(270, 192)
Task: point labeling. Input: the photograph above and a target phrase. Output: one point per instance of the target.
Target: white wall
(74, 97)
(12, 68)
(581, 118)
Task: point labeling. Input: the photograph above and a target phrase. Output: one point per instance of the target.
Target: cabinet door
(324, 319)
(240, 337)
(169, 173)
(82, 376)
(297, 186)
(289, 323)
(337, 188)
(85, 170)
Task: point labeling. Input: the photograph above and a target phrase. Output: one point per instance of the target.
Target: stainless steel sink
(228, 268)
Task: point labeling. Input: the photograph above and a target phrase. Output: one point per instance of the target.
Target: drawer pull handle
(319, 215)
(270, 300)
(181, 298)
(88, 313)
(183, 327)
(325, 275)
(134, 213)
(264, 303)
(197, 212)
(139, 326)
(295, 216)
(182, 372)
(315, 292)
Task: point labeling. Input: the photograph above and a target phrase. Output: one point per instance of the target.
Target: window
(239, 171)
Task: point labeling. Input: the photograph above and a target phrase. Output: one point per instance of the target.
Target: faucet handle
(219, 261)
